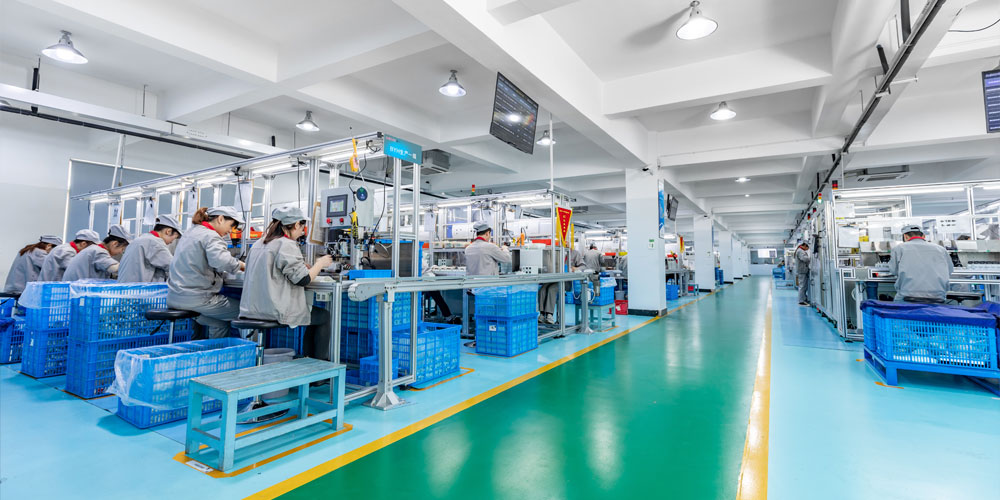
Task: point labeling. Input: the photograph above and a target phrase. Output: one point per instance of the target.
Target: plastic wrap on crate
(516, 300)
(932, 312)
(46, 304)
(157, 377)
(109, 310)
(90, 366)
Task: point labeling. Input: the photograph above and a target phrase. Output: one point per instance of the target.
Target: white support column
(704, 259)
(727, 257)
(647, 293)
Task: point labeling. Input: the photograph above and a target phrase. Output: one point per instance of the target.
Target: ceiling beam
(512, 11)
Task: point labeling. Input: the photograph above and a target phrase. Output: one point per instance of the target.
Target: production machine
(348, 217)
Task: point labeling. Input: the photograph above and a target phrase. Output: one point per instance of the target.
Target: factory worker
(592, 258)
(28, 263)
(802, 260)
(148, 259)
(99, 261)
(200, 261)
(922, 269)
(548, 294)
(276, 277)
(55, 263)
(482, 257)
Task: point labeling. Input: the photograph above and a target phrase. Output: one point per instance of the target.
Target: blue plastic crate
(931, 343)
(368, 374)
(290, 338)
(144, 417)
(352, 377)
(569, 298)
(156, 378)
(673, 292)
(502, 336)
(437, 350)
(365, 315)
(356, 344)
(606, 298)
(44, 352)
(46, 305)
(6, 308)
(102, 311)
(90, 366)
(507, 301)
(11, 340)
(354, 274)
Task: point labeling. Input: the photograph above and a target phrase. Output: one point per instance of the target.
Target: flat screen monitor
(991, 98)
(672, 208)
(515, 116)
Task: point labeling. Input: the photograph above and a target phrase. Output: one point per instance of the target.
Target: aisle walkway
(662, 412)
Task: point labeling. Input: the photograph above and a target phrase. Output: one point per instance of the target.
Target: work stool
(13, 303)
(959, 297)
(258, 327)
(171, 315)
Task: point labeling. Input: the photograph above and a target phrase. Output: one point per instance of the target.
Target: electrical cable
(973, 31)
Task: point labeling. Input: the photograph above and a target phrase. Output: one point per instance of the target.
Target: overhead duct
(875, 174)
(435, 162)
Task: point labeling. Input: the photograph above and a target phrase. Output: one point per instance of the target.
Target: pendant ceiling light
(546, 139)
(307, 123)
(697, 26)
(64, 51)
(452, 88)
(722, 112)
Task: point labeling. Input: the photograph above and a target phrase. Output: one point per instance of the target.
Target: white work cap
(227, 212)
(288, 215)
(50, 239)
(87, 235)
(119, 232)
(169, 221)
(912, 229)
(480, 226)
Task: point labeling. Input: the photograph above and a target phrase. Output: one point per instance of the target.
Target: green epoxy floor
(662, 411)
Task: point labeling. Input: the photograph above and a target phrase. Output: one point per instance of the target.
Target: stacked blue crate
(285, 337)
(507, 320)
(153, 382)
(46, 328)
(11, 339)
(607, 296)
(437, 351)
(368, 374)
(359, 320)
(673, 292)
(6, 308)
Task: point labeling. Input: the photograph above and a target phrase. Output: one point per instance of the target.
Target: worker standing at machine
(98, 261)
(483, 257)
(276, 277)
(28, 263)
(196, 274)
(148, 259)
(548, 294)
(58, 259)
(802, 261)
(922, 269)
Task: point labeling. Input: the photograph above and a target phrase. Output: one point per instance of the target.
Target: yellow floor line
(366, 449)
(753, 472)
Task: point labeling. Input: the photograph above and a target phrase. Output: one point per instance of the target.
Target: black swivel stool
(258, 327)
(15, 296)
(959, 297)
(171, 315)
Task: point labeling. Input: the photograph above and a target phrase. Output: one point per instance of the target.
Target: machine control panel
(337, 205)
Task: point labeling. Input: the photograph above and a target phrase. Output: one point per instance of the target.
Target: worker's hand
(113, 269)
(243, 266)
(324, 261)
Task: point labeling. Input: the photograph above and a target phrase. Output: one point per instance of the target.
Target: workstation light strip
(871, 193)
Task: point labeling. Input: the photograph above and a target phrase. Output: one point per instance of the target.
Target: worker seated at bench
(276, 277)
(922, 269)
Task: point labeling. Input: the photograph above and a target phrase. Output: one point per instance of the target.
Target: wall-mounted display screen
(515, 116)
(672, 208)
(991, 98)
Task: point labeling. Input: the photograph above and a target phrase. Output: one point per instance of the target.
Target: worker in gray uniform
(28, 263)
(200, 263)
(922, 269)
(483, 257)
(592, 261)
(99, 261)
(148, 258)
(58, 259)
(276, 277)
(802, 260)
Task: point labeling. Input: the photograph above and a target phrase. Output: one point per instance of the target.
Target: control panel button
(328, 221)
(341, 220)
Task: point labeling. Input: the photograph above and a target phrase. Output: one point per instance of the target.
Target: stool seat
(254, 324)
(170, 314)
(962, 296)
(5, 295)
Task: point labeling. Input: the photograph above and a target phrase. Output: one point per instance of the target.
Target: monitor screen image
(672, 203)
(336, 206)
(991, 98)
(515, 116)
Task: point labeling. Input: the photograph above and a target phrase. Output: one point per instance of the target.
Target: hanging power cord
(976, 30)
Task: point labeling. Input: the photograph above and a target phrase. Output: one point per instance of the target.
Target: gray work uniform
(274, 283)
(482, 258)
(592, 260)
(802, 261)
(196, 276)
(56, 262)
(146, 260)
(25, 268)
(92, 263)
(922, 270)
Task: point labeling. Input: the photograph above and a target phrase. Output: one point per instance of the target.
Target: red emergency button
(341, 220)
(328, 221)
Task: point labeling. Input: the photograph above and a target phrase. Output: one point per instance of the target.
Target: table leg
(227, 433)
(338, 422)
(303, 396)
(193, 420)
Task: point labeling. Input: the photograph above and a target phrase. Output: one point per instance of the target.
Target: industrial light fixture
(307, 123)
(546, 140)
(452, 88)
(864, 193)
(741, 180)
(722, 112)
(64, 51)
(697, 26)
(746, 196)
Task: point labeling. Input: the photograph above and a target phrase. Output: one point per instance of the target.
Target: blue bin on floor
(673, 292)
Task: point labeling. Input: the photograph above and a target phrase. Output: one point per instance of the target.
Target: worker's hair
(162, 227)
(913, 234)
(484, 231)
(120, 241)
(593, 246)
(277, 230)
(29, 248)
(964, 237)
(200, 216)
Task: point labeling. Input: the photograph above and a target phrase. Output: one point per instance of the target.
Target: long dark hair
(31, 247)
(277, 230)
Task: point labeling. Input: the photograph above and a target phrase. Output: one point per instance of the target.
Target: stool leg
(170, 336)
(259, 403)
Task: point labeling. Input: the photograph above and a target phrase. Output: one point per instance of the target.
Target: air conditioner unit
(879, 173)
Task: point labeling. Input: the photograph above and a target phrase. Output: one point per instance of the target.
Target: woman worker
(55, 264)
(276, 276)
(28, 263)
(147, 259)
(200, 261)
(98, 261)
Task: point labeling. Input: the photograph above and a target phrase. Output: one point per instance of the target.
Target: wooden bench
(233, 386)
